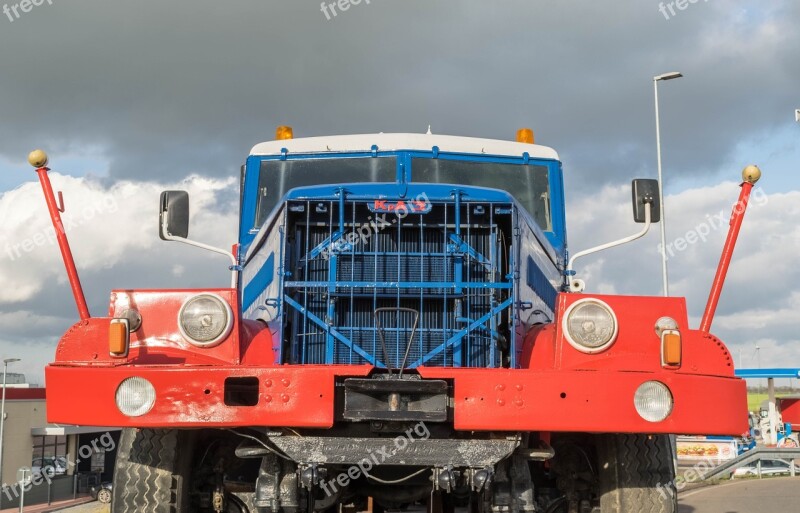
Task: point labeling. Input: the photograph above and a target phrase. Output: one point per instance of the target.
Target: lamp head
(668, 76)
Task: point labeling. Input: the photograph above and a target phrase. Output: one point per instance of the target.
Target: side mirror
(645, 195)
(174, 214)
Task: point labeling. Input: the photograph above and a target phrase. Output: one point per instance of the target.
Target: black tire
(636, 474)
(151, 472)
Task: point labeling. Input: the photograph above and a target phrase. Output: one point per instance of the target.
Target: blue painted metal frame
(396, 285)
(463, 333)
(768, 373)
(405, 185)
(332, 332)
(262, 280)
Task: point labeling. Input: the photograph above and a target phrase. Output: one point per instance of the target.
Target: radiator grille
(355, 275)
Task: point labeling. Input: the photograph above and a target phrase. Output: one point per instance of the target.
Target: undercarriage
(388, 466)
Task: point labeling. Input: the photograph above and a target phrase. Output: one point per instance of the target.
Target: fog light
(653, 401)
(135, 397)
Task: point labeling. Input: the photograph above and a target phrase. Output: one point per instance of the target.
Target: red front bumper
(484, 399)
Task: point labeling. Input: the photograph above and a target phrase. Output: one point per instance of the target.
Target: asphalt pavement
(91, 507)
(773, 495)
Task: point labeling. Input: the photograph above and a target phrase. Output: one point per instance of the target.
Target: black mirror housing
(645, 195)
(175, 206)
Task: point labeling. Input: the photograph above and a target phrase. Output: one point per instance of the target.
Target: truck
(404, 328)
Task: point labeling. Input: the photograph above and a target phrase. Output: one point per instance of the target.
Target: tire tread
(147, 476)
(638, 474)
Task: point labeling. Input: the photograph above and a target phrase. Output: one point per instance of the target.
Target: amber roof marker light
(283, 133)
(525, 135)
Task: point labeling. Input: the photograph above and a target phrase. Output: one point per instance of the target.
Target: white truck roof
(398, 142)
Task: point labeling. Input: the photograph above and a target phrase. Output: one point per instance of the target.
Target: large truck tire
(151, 471)
(637, 473)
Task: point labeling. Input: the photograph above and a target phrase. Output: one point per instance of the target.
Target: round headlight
(653, 401)
(135, 397)
(590, 325)
(205, 320)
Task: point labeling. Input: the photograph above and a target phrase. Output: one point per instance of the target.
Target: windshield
(528, 184)
(277, 177)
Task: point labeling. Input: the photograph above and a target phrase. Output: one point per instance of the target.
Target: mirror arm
(577, 285)
(234, 263)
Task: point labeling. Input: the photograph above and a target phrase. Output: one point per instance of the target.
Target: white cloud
(759, 303)
(114, 237)
(107, 226)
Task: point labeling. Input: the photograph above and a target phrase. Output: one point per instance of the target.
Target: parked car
(102, 493)
(53, 466)
(768, 468)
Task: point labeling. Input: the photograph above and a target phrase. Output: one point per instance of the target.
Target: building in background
(63, 459)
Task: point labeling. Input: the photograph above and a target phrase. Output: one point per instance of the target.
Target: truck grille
(427, 288)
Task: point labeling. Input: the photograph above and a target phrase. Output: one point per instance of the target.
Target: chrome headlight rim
(577, 345)
(223, 334)
(642, 392)
(147, 388)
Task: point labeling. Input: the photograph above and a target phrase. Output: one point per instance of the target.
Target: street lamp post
(656, 80)
(3, 422)
(758, 359)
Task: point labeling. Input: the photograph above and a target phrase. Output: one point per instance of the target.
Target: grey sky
(162, 88)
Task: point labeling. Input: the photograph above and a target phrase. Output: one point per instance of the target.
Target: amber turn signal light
(119, 338)
(671, 348)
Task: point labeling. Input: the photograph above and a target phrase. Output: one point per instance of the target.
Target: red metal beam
(61, 235)
(750, 175)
